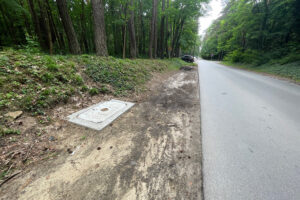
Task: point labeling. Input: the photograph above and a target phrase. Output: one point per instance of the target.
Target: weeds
(32, 81)
(8, 131)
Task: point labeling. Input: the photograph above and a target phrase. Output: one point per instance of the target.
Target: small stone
(98, 148)
(14, 115)
(51, 138)
(133, 163)
(111, 147)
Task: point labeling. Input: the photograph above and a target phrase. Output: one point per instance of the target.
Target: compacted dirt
(151, 152)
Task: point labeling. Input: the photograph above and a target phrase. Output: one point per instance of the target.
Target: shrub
(234, 56)
(292, 57)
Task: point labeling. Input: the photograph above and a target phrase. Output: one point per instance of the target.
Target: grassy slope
(286, 70)
(33, 82)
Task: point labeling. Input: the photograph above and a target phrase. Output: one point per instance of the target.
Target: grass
(8, 131)
(286, 70)
(34, 81)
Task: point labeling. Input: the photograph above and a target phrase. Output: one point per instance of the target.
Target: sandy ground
(151, 152)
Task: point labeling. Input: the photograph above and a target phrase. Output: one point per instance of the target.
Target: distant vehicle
(188, 58)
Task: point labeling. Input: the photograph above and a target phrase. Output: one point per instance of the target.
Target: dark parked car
(188, 58)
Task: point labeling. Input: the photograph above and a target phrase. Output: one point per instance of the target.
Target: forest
(120, 28)
(255, 32)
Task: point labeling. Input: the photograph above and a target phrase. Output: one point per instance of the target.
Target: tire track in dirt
(151, 152)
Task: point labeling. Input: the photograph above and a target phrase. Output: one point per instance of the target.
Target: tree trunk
(155, 30)
(83, 27)
(99, 28)
(68, 26)
(162, 32)
(26, 20)
(142, 30)
(36, 23)
(175, 35)
(52, 25)
(124, 42)
(177, 43)
(264, 23)
(124, 31)
(132, 32)
(45, 19)
(152, 38)
(167, 32)
(116, 31)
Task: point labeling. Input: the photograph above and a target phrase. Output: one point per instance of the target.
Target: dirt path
(151, 152)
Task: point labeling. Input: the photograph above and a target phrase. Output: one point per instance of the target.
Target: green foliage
(255, 32)
(290, 70)
(292, 57)
(25, 25)
(93, 91)
(8, 131)
(34, 82)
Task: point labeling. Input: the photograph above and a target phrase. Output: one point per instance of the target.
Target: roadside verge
(151, 152)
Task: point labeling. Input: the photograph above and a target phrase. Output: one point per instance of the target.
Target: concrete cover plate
(100, 115)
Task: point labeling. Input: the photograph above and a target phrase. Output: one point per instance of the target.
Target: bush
(248, 57)
(234, 56)
(292, 57)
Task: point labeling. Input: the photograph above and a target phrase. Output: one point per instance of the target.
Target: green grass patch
(287, 70)
(8, 131)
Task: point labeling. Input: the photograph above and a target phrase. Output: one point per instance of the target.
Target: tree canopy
(255, 31)
(130, 28)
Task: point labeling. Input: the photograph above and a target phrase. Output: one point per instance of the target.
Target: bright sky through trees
(214, 11)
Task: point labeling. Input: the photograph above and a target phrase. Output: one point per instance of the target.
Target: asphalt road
(251, 135)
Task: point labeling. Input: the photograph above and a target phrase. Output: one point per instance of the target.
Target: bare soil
(151, 152)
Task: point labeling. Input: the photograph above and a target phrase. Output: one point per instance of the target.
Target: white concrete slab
(100, 115)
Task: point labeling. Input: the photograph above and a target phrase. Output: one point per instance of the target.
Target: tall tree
(142, 45)
(35, 21)
(130, 27)
(68, 26)
(46, 23)
(162, 31)
(99, 28)
(155, 29)
(133, 50)
(153, 36)
(83, 27)
(167, 32)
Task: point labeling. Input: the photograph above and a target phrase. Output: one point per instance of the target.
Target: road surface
(251, 135)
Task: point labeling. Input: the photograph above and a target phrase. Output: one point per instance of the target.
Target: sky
(214, 9)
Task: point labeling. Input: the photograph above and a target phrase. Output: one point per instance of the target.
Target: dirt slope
(151, 152)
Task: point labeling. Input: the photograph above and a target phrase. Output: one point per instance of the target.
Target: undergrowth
(33, 81)
(286, 70)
